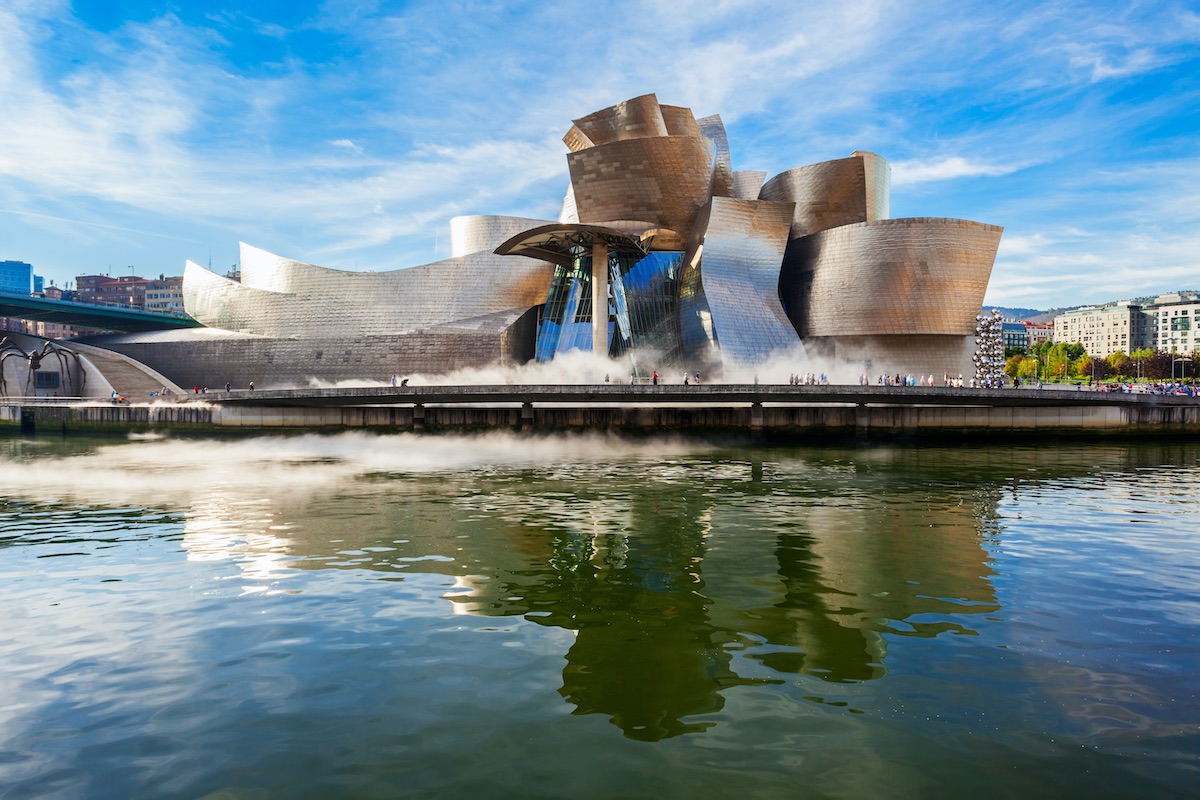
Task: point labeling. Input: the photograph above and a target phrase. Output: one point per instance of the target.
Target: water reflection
(680, 575)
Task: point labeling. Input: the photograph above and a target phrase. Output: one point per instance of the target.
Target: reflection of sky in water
(1011, 594)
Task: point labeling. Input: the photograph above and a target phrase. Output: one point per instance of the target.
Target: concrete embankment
(913, 420)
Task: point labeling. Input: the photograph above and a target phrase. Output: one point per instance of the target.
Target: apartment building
(1173, 322)
(1104, 330)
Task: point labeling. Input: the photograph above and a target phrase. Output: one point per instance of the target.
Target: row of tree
(1069, 361)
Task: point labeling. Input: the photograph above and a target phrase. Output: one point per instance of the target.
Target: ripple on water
(659, 621)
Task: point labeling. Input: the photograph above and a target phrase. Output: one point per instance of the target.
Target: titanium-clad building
(663, 255)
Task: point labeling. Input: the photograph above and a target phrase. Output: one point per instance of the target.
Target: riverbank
(783, 411)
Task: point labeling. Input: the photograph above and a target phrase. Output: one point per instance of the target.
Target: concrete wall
(793, 420)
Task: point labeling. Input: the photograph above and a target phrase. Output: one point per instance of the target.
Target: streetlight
(1175, 361)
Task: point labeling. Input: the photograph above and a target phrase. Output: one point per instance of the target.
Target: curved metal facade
(664, 180)
(636, 118)
(282, 297)
(732, 279)
(475, 233)
(288, 322)
(704, 265)
(641, 161)
(747, 183)
(833, 193)
(889, 277)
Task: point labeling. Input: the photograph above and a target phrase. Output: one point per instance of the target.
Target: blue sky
(347, 133)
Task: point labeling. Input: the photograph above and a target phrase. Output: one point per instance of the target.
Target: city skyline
(349, 133)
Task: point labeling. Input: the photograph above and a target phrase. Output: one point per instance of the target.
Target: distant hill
(1026, 314)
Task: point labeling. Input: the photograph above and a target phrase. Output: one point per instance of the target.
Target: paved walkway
(706, 394)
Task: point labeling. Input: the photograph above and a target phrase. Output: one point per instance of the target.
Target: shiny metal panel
(747, 183)
(680, 121)
(636, 118)
(722, 176)
(304, 299)
(833, 193)
(889, 277)
(663, 180)
(736, 259)
(470, 234)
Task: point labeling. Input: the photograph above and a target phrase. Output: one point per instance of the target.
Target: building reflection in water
(802, 582)
(674, 587)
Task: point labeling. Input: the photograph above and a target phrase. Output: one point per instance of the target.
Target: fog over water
(151, 469)
(577, 367)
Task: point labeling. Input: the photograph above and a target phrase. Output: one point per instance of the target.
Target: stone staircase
(127, 377)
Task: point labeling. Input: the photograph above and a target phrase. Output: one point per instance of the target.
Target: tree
(1093, 368)
(1060, 359)
(1139, 358)
(1012, 366)
(1121, 364)
(1157, 367)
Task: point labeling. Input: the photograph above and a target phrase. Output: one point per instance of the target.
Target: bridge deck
(85, 315)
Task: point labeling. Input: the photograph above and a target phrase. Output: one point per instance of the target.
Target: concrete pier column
(418, 417)
(28, 422)
(756, 418)
(600, 298)
(526, 416)
(862, 420)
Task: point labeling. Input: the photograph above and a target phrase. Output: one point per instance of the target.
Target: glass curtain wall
(566, 322)
(643, 292)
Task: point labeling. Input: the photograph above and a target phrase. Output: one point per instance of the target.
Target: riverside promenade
(762, 410)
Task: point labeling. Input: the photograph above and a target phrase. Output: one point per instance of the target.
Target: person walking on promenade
(654, 378)
(252, 386)
(228, 386)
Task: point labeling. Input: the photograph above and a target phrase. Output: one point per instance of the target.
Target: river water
(502, 616)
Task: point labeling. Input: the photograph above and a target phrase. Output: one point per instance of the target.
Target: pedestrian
(697, 381)
(606, 380)
(228, 386)
(654, 378)
(685, 379)
(252, 386)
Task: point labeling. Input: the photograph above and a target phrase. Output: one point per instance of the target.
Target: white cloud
(348, 145)
(168, 123)
(914, 171)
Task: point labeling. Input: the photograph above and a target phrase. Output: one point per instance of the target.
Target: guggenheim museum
(663, 256)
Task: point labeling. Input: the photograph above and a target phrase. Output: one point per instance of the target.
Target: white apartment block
(1173, 322)
(1167, 323)
(1103, 330)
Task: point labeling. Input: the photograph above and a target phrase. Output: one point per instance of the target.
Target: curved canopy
(561, 243)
